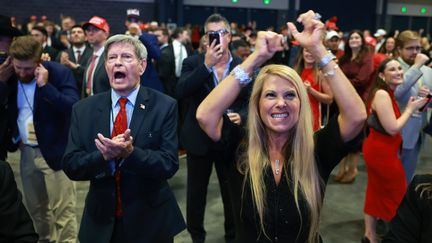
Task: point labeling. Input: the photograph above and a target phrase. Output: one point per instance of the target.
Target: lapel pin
(142, 106)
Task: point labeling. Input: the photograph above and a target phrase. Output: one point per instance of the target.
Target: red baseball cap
(97, 22)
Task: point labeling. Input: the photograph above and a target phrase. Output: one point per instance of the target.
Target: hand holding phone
(429, 98)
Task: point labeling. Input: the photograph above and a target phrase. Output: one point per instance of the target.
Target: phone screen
(214, 36)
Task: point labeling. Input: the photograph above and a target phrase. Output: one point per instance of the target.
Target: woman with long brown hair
(283, 167)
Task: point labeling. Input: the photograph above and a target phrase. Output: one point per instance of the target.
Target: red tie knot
(122, 101)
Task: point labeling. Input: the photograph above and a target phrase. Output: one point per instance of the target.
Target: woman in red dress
(386, 177)
(316, 86)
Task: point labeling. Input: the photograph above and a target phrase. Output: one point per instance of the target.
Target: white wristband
(241, 75)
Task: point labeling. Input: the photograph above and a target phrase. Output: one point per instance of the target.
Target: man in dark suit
(166, 63)
(95, 77)
(40, 99)
(150, 77)
(15, 222)
(200, 74)
(77, 56)
(41, 35)
(124, 142)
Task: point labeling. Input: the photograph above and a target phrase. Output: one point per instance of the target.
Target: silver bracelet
(326, 60)
(240, 74)
(331, 72)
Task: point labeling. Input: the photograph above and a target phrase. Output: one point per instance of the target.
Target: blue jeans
(409, 160)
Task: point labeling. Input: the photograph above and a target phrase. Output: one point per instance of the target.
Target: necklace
(277, 170)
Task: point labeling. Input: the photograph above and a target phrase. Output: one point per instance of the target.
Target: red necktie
(120, 126)
(89, 83)
(78, 56)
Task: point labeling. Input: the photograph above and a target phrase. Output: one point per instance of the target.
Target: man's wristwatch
(241, 76)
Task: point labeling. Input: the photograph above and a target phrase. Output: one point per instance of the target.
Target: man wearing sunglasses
(199, 75)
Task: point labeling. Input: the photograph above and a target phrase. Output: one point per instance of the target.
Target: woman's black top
(282, 220)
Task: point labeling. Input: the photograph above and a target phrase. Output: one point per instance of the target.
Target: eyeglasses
(221, 32)
(412, 48)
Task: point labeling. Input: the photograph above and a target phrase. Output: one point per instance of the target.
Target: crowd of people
(274, 113)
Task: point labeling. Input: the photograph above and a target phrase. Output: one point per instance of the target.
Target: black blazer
(166, 70)
(150, 208)
(100, 78)
(195, 84)
(413, 220)
(15, 223)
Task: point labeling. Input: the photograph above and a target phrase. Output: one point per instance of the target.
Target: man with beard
(77, 56)
(40, 99)
(408, 44)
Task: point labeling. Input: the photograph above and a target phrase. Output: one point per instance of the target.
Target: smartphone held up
(214, 36)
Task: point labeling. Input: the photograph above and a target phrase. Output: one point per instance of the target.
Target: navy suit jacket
(150, 77)
(150, 208)
(51, 112)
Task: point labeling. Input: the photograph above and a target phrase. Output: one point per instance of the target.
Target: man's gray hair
(217, 18)
(140, 50)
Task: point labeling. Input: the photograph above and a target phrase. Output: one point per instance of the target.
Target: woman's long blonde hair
(299, 149)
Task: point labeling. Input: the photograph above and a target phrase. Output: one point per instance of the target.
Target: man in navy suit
(124, 142)
(95, 77)
(40, 99)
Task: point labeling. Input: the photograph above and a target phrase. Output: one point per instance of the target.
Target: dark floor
(342, 217)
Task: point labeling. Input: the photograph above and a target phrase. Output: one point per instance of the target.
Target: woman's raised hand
(311, 36)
